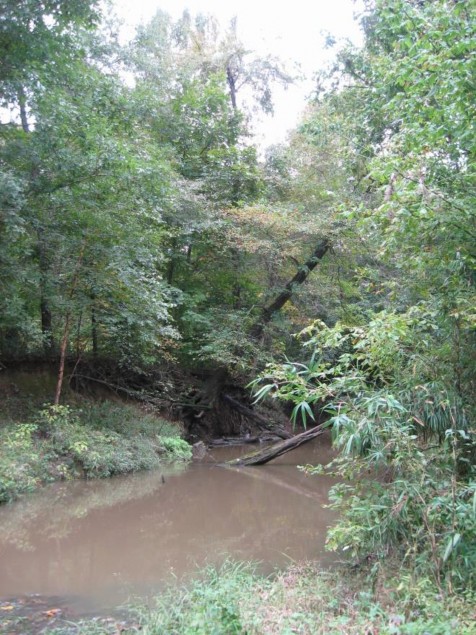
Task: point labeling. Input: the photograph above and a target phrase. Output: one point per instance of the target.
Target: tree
(32, 36)
(85, 187)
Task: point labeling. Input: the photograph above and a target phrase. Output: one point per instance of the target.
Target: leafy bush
(177, 448)
(405, 447)
(205, 606)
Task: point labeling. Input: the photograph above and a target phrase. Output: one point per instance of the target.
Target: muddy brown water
(99, 542)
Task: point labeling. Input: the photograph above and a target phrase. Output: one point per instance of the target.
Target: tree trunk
(232, 86)
(260, 457)
(94, 331)
(302, 274)
(78, 335)
(46, 322)
(45, 312)
(64, 344)
(64, 339)
(171, 263)
(23, 114)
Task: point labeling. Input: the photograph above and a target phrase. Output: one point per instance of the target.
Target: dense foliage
(114, 165)
(137, 225)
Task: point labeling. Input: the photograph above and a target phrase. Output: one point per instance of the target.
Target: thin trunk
(170, 270)
(236, 295)
(94, 332)
(236, 289)
(64, 339)
(232, 86)
(171, 263)
(23, 114)
(45, 312)
(64, 344)
(46, 324)
(78, 335)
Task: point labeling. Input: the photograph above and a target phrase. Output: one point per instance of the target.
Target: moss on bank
(302, 600)
(96, 440)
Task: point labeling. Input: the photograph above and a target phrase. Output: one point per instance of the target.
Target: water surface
(101, 541)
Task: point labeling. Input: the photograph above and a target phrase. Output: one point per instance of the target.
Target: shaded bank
(87, 438)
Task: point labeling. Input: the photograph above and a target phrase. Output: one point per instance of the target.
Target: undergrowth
(95, 441)
(302, 600)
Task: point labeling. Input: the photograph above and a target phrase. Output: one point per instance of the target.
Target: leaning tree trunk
(260, 457)
(214, 413)
(302, 274)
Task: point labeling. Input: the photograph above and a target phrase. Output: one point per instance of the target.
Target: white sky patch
(294, 31)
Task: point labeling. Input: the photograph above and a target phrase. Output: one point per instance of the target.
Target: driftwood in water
(260, 457)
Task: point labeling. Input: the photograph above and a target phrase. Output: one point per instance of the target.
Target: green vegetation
(392, 371)
(96, 441)
(142, 240)
(414, 441)
(303, 599)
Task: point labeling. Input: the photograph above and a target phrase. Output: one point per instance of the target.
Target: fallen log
(260, 457)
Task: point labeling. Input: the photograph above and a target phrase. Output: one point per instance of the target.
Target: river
(99, 542)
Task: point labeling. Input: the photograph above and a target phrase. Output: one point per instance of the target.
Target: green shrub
(176, 448)
(21, 464)
(209, 605)
(406, 445)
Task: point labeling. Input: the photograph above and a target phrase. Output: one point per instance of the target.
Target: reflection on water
(104, 540)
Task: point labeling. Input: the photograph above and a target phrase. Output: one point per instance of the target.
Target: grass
(301, 600)
(96, 440)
